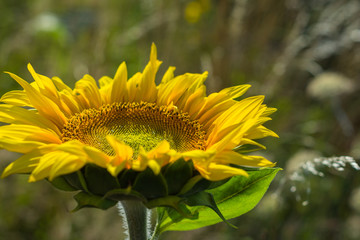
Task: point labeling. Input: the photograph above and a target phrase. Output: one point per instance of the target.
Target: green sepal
(199, 186)
(127, 177)
(206, 199)
(124, 194)
(177, 174)
(82, 181)
(84, 199)
(62, 184)
(151, 186)
(73, 180)
(190, 184)
(99, 181)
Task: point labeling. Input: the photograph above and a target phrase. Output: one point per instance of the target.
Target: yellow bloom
(195, 9)
(130, 124)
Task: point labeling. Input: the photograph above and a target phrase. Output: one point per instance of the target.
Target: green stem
(136, 219)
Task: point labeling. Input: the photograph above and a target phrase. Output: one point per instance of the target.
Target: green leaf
(234, 198)
(183, 210)
(206, 199)
(84, 199)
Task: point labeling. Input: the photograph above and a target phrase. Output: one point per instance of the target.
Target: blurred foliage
(278, 46)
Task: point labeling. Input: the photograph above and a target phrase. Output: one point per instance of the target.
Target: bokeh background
(304, 55)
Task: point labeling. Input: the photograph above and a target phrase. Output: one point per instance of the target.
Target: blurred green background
(304, 55)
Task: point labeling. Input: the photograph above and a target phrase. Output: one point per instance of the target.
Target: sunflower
(131, 124)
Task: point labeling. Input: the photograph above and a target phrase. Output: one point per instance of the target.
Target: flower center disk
(135, 124)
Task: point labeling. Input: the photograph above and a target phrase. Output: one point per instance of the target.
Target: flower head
(124, 127)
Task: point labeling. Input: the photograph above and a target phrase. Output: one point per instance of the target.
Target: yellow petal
(132, 87)
(234, 123)
(231, 157)
(178, 89)
(241, 111)
(49, 88)
(45, 163)
(60, 85)
(13, 145)
(63, 159)
(261, 132)
(217, 103)
(105, 81)
(198, 154)
(18, 115)
(141, 162)
(120, 148)
(44, 83)
(245, 141)
(105, 89)
(147, 90)
(231, 136)
(119, 90)
(169, 74)
(217, 172)
(27, 136)
(74, 147)
(201, 160)
(16, 98)
(233, 92)
(44, 105)
(114, 170)
(56, 163)
(224, 95)
(27, 162)
(28, 132)
(154, 159)
(269, 111)
(86, 153)
(207, 119)
(154, 166)
(195, 101)
(69, 103)
(67, 163)
(96, 156)
(24, 164)
(162, 148)
(123, 157)
(158, 156)
(88, 92)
